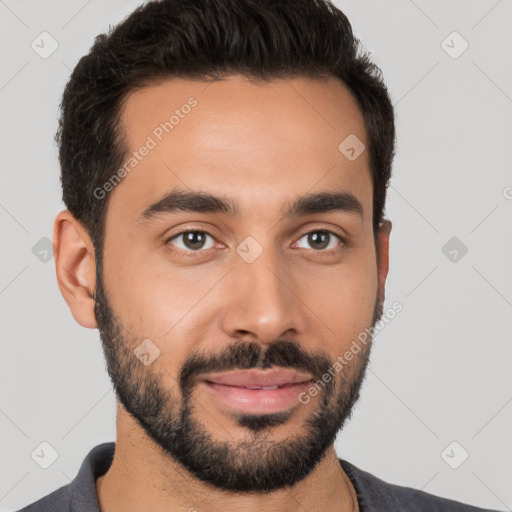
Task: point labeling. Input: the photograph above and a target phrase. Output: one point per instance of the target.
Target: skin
(263, 146)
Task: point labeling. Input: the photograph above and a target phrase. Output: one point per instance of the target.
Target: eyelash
(194, 254)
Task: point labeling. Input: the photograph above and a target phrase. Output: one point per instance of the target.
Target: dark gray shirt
(373, 494)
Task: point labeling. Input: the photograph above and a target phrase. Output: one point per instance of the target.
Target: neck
(143, 477)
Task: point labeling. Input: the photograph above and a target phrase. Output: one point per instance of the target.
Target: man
(224, 167)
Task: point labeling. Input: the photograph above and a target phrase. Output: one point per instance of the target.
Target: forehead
(260, 143)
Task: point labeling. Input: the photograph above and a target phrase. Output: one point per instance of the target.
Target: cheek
(160, 301)
(343, 298)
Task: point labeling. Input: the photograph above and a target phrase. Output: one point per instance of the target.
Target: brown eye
(192, 240)
(320, 240)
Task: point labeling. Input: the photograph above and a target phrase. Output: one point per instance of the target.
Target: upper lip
(259, 378)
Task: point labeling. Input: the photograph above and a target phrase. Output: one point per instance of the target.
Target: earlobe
(75, 267)
(383, 256)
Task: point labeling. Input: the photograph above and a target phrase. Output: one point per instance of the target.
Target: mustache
(249, 355)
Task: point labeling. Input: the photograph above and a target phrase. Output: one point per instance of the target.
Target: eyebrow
(201, 202)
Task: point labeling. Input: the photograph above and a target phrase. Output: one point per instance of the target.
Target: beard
(258, 463)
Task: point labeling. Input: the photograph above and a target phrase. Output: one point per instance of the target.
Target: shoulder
(80, 494)
(375, 494)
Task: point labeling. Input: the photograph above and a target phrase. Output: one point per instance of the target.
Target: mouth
(258, 391)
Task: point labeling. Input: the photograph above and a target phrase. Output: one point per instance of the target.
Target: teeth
(260, 387)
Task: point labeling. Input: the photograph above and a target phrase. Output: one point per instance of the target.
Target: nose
(264, 302)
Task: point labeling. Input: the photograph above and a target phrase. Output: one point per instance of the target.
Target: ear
(76, 267)
(383, 257)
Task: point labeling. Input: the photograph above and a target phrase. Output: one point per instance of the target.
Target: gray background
(440, 371)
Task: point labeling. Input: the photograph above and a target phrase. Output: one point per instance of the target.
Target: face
(217, 314)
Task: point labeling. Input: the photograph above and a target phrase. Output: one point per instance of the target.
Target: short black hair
(208, 40)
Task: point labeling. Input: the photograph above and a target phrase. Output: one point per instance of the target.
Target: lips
(273, 378)
(257, 391)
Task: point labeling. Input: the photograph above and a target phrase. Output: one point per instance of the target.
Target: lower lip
(263, 401)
